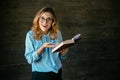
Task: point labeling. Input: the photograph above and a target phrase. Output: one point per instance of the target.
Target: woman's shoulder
(29, 35)
(60, 39)
(59, 32)
(29, 32)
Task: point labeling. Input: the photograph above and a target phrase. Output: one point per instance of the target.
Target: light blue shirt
(47, 61)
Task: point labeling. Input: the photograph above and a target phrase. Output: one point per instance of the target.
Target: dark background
(95, 57)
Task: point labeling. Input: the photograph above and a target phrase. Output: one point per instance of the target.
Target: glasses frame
(48, 20)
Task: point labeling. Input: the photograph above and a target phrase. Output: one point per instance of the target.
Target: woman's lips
(45, 26)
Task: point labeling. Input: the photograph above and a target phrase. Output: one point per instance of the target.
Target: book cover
(67, 43)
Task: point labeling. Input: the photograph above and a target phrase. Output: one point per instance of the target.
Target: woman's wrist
(63, 54)
(64, 51)
(39, 52)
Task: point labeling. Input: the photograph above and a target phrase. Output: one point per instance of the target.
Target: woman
(40, 40)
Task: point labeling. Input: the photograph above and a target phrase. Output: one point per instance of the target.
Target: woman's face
(45, 21)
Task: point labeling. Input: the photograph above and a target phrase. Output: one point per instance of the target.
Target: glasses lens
(42, 19)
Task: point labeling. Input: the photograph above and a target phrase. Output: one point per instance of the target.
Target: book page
(63, 45)
(68, 41)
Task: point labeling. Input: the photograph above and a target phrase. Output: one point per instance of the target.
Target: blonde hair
(53, 31)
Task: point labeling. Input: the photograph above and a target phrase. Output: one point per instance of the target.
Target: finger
(51, 45)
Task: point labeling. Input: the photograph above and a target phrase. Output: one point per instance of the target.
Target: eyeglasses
(48, 20)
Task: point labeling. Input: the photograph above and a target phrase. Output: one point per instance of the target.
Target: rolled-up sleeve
(30, 51)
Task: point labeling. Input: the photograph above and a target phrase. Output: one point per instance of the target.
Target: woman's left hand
(64, 51)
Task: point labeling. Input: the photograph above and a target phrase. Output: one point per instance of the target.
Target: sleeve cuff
(36, 57)
(63, 57)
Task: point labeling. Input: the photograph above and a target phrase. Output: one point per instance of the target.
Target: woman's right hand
(45, 45)
(48, 45)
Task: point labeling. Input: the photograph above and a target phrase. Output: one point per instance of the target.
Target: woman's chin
(44, 31)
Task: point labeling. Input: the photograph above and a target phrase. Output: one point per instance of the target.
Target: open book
(67, 43)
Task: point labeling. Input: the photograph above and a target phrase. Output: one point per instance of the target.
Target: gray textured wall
(95, 57)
